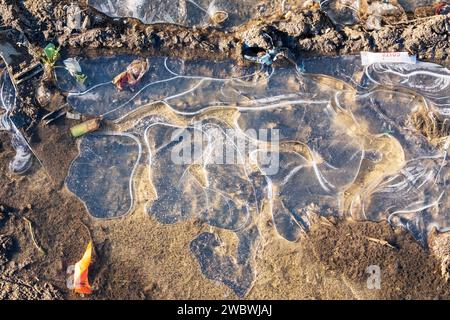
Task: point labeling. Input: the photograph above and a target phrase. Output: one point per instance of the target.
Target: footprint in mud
(101, 175)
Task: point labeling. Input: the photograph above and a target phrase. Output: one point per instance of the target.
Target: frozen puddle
(111, 159)
(228, 13)
(231, 146)
(183, 12)
(23, 160)
(211, 12)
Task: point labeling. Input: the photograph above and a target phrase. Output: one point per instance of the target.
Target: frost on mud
(346, 146)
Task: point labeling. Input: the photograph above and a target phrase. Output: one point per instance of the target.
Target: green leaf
(50, 51)
(51, 54)
(81, 78)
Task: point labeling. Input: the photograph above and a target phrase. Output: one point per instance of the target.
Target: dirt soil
(44, 228)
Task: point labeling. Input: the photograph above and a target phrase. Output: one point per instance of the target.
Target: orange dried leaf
(81, 281)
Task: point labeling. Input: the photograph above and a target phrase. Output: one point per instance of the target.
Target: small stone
(374, 23)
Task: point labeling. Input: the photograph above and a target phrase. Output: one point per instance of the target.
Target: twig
(324, 221)
(412, 21)
(89, 234)
(30, 227)
(87, 229)
(382, 242)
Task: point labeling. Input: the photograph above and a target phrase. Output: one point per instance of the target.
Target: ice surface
(238, 272)
(429, 80)
(23, 159)
(415, 195)
(188, 87)
(220, 194)
(210, 12)
(183, 12)
(102, 176)
(344, 12)
(342, 143)
(410, 5)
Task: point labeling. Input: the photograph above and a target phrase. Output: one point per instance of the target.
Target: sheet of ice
(429, 80)
(102, 176)
(325, 158)
(344, 142)
(198, 187)
(23, 160)
(345, 68)
(183, 12)
(237, 272)
(411, 5)
(187, 86)
(349, 12)
(414, 196)
(344, 12)
(211, 12)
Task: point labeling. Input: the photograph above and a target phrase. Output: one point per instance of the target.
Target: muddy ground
(305, 32)
(44, 228)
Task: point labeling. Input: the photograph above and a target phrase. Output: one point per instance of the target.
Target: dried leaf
(81, 281)
(134, 73)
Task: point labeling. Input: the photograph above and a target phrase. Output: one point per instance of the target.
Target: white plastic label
(368, 58)
(73, 116)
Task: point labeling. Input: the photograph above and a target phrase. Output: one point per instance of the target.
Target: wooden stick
(30, 227)
(382, 242)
